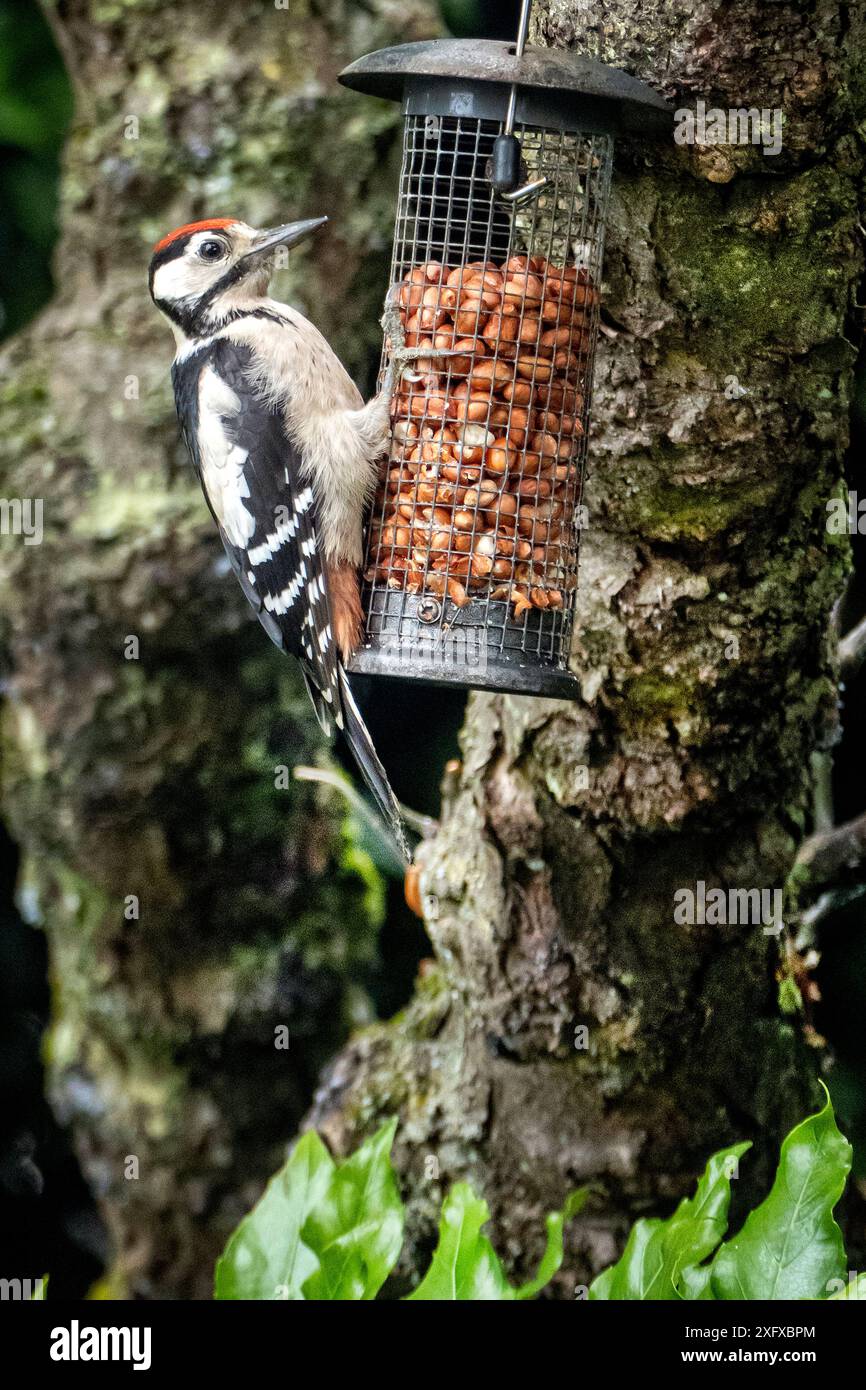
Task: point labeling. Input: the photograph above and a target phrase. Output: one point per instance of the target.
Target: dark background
(47, 1218)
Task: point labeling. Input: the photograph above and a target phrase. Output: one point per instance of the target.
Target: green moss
(751, 288)
(790, 998)
(695, 511)
(651, 697)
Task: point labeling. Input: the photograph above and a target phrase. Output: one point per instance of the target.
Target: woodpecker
(285, 449)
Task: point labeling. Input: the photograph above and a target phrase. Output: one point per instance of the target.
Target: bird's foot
(402, 356)
(392, 323)
(405, 356)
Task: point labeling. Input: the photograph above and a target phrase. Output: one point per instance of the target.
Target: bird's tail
(365, 755)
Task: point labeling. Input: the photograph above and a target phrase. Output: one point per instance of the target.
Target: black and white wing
(253, 481)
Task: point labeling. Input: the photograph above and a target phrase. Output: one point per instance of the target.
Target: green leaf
(466, 1268)
(661, 1260)
(790, 1246)
(355, 1227)
(552, 1257)
(266, 1257)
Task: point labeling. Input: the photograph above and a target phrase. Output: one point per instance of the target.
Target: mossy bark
(571, 1030)
(194, 903)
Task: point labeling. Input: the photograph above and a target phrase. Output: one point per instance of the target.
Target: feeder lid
(385, 74)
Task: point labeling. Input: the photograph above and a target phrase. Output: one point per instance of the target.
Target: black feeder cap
(558, 86)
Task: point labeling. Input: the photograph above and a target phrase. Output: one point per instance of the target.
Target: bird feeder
(471, 561)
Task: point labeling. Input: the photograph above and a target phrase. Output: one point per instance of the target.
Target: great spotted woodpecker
(285, 449)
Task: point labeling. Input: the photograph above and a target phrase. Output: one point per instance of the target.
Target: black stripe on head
(193, 318)
(184, 315)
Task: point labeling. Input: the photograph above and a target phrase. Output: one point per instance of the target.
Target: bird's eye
(211, 250)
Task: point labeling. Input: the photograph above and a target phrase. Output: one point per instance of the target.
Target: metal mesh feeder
(472, 548)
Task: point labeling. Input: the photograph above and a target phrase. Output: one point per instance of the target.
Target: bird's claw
(392, 326)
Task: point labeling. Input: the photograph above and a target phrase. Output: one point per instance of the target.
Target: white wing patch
(285, 532)
(222, 462)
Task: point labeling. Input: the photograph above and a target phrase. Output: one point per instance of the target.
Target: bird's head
(200, 272)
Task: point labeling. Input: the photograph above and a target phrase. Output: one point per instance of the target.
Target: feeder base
(506, 678)
(479, 647)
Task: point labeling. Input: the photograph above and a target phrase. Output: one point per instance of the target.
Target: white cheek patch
(181, 278)
(222, 461)
(187, 276)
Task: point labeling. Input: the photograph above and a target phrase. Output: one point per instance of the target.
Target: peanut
(502, 328)
(520, 392)
(499, 457)
(479, 490)
(470, 317)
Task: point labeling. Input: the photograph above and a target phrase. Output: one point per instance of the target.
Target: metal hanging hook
(506, 159)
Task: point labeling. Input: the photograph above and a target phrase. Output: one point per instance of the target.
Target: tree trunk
(572, 1030)
(195, 906)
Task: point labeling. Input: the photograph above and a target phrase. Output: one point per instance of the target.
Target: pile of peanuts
(478, 494)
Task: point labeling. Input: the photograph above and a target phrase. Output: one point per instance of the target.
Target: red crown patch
(211, 224)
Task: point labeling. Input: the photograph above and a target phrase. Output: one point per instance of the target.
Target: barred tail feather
(374, 774)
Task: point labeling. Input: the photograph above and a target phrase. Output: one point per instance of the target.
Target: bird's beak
(288, 235)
